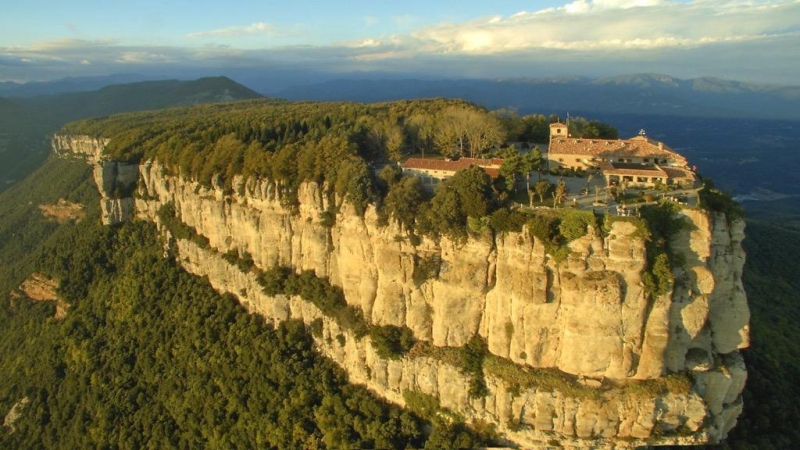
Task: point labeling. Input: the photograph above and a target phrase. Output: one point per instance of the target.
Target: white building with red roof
(432, 171)
(636, 161)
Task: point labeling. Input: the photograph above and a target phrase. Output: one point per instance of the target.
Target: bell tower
(558, 130)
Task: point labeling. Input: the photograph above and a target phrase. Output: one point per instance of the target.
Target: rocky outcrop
(14, 414)
(587, 316)
(115, 180)
(40, 288)
(63, 211)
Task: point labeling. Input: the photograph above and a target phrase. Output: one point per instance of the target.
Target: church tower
(558, 130)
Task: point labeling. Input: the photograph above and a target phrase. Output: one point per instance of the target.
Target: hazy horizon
(735, 40)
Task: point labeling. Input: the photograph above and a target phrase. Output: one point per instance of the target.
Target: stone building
(635, 161)
(432, 171)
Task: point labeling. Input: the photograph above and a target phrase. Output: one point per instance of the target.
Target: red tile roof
(678, 173)
(490, 166)
(633, 170)
(493, 173)
(636, 147)
(637, 172)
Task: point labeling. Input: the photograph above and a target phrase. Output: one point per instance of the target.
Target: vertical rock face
(587, 316)
(115, 180)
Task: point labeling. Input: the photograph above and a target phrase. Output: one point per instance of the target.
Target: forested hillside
(772, 395)
(151, 357)
(27, 123)
(144, 95)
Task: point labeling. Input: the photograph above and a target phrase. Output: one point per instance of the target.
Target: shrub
(391, 342)
(546, 380)
(316, 327)
(273, 280)
(574, 224)
(426, 268)
(658, 280)
(317, 290)
(712, 199)
(472, 357)
(327, 219)
(504, 220)
(547, 228)
(244, 261)
(509, 329)
(544, 228)
(168, 217)
(352, 318)
(662, 224)
(478, 225)
(423, 404)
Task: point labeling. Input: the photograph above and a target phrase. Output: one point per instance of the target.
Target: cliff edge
(577, 351)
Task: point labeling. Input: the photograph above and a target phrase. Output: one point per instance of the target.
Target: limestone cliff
(115, 180)
(587, 316)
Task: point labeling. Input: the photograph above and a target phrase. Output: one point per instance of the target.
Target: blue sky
(297, 22)
(747, 40)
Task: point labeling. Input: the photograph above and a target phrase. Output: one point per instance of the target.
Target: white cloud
(68, 44)
(584, 6)
(145, 57)
(367, 43)
(258, 28)
(600, 37)
(612, 25)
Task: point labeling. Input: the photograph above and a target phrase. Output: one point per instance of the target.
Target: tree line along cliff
(594, 297)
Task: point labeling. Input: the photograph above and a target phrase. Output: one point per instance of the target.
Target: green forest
(26, 124)
(340, 144)
(151, 357)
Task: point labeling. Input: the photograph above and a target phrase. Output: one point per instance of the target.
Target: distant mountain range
(642, 94)
(139, 96)
(66, 85)
(647, 94)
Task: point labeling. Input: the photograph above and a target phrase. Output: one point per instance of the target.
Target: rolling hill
(26, 123)
(137, 97)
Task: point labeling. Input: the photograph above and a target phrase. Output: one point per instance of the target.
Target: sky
(756, 41)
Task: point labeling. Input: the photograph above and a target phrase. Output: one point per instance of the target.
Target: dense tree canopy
(341, 144)
(467, 194)
(129, 368)
(152, 357)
